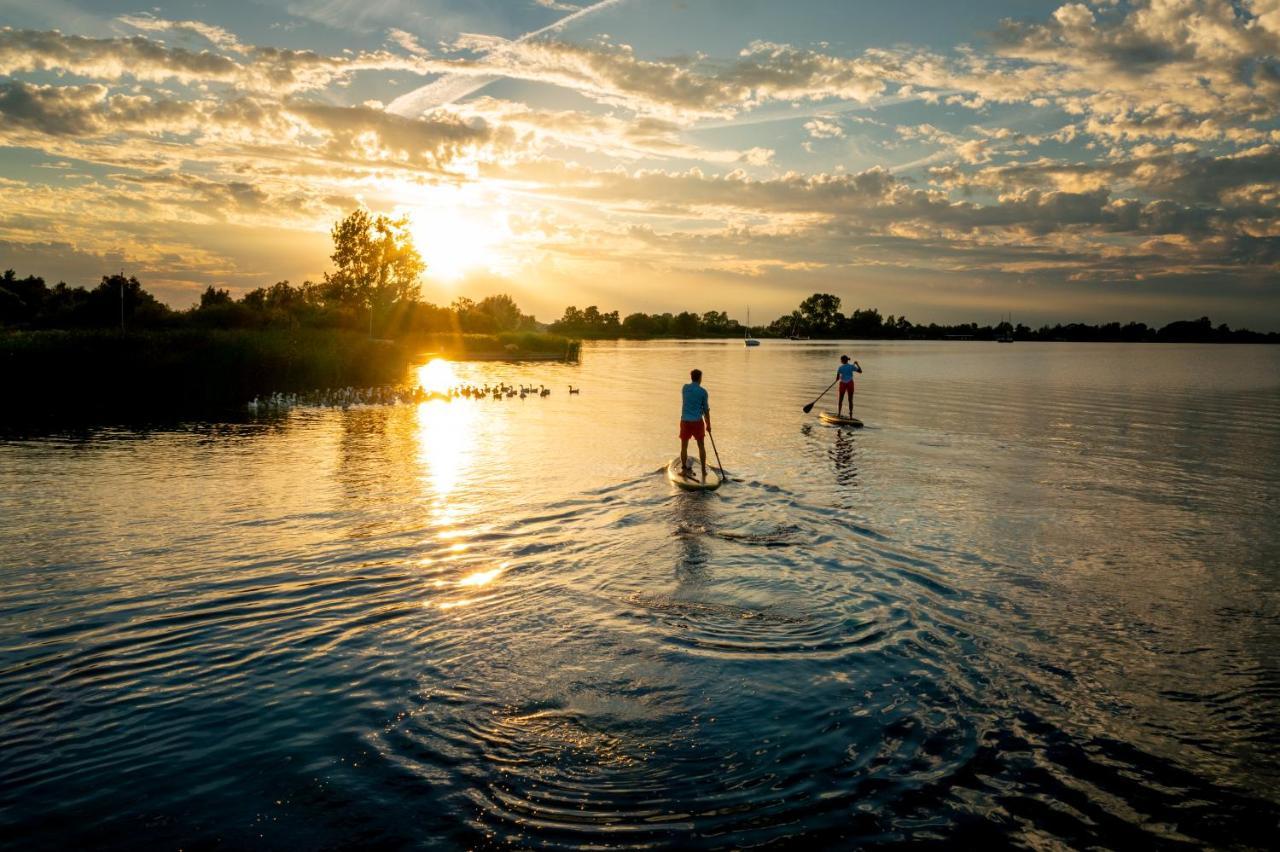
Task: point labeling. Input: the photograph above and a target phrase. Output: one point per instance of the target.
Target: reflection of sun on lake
(443, 429)
(437, 376)
(481, 578)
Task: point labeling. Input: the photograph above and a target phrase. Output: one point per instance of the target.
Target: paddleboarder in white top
(844, 373)
(694, 410)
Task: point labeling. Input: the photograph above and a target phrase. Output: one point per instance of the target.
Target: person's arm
(706, 412)
(857, 366)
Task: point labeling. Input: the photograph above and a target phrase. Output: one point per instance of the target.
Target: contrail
(451, 87)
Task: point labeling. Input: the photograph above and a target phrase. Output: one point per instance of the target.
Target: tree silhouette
(376, 261)
(821, 312)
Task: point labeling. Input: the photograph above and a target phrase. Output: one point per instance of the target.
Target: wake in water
(782, 535)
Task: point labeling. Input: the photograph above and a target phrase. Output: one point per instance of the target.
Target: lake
(1035, 601)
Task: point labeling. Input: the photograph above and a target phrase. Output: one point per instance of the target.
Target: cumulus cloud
(264, 69)
(823, 128)
(86, 110)
(625, 138)
(613, 74)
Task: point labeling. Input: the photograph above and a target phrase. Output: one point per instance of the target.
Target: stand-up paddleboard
(695, 484)
(838, 420)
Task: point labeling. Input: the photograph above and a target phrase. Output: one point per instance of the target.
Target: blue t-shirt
(693, 401)
(846, 371)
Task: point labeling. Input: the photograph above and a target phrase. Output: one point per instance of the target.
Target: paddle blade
(808, 408)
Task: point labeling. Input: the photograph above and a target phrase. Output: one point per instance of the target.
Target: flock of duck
(391, 395)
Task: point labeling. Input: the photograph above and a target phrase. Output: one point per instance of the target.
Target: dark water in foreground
(1036, 601)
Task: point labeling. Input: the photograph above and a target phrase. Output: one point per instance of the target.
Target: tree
(504, 311)
(820, 313)
(212, 297)
(684, 324)
(639, 325)
(103, 303)
(864, 323)
(376, 261)
(21, 299)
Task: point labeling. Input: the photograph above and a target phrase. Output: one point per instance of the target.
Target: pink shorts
(846, 388)
(692, 429)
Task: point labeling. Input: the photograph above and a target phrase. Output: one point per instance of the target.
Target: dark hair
(696, 375)
(844, 359)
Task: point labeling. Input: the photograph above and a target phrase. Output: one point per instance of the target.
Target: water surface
(1035, 601)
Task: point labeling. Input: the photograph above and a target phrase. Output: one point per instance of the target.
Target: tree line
(591, 322)
(373, 287)
(819, 317)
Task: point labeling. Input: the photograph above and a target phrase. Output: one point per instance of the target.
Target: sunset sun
(455, 238)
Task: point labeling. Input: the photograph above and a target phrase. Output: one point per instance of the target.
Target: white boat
(747, 338)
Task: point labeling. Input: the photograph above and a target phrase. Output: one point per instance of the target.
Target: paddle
(810, 406)
(723, 472)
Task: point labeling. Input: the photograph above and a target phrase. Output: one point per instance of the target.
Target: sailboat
(793, 335)
(747, 338)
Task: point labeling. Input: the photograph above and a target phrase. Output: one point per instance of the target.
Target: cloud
(629, 139)
(407, 42)
(215, 35)
(557, 6)
(263, 69)
(453, 87)
(86, 110)
(823, 128)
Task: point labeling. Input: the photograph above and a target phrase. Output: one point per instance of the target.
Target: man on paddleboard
(845, 374)
(694, 409)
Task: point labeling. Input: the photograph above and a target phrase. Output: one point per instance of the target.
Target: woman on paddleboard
(845, 374)
(694, 409)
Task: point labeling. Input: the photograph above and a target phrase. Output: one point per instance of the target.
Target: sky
(945, 161)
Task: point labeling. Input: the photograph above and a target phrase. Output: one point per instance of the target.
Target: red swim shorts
(692, 429)
(846, 387)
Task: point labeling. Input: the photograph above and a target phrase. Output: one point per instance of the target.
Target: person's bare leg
(684, 455)
(702, 455)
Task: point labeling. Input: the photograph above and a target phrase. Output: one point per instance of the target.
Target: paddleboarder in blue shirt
(694, 409)
(845, 375)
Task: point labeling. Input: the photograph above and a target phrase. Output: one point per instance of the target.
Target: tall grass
(189, 370)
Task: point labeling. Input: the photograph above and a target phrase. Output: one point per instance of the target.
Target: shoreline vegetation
(819, 318)
(96, 372)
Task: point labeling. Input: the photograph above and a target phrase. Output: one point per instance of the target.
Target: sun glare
(437, 376)
(455, 237)
(482, 578)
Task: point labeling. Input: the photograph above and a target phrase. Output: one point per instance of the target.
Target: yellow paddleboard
(696, 483)
(837, 420)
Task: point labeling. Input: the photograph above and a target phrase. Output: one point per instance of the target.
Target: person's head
(696, 375)
(844, 359)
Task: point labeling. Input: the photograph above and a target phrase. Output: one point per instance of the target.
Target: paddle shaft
(810, 406)
(723, 472)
